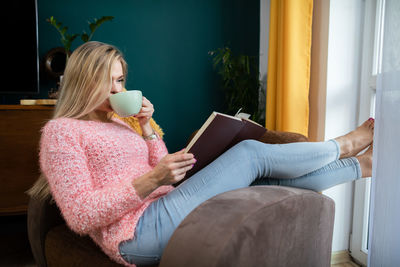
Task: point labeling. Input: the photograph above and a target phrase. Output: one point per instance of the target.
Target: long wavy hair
(86, 84)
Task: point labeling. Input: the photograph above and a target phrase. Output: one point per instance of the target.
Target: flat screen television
(20, 60)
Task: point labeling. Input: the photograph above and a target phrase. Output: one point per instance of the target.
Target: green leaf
(104, 19)
(64, 42)
(92, 27)
(97, 22)
(73, 37)
(84, 37)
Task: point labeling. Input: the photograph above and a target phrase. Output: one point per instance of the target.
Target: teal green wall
(165, 43)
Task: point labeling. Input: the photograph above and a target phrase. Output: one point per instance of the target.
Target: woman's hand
(145, 113)
(171, 169)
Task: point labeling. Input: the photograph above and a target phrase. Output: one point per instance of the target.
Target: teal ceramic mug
(127, 103)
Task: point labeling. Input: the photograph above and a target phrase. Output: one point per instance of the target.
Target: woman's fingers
(180, 168)
(183, 170)
(146, 104)
(181, 156)
(179, 152)
(147, 109)
(180, 160)
(173, 167)
(179, 177)
(183, 164)
(180, 163)
(145, 112)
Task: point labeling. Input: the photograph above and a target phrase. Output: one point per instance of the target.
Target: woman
(115, 185)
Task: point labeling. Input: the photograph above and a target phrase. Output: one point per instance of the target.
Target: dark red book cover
(250, 130)
(219, 133)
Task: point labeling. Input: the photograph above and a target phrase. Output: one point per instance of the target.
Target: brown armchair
(254, 226)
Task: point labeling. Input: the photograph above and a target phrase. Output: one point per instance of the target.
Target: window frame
(371, 66)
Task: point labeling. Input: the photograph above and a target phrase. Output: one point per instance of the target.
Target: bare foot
(365, 160)
(354, 142)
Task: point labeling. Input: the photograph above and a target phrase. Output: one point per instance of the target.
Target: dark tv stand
(19, 142)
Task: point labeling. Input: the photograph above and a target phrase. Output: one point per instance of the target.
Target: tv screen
(20, 74)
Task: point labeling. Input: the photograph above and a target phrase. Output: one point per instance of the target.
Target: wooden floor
(342, 259)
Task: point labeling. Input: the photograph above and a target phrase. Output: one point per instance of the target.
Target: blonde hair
(86, 84)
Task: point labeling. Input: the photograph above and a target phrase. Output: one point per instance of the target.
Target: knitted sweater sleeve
(157, 150)
(85, 208)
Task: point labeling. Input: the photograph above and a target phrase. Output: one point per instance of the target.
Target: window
(371, 66)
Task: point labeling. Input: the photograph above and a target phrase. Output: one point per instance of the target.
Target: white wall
(344, 57)
(343, 72)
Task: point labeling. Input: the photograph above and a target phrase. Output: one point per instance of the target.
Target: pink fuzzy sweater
(90, 167)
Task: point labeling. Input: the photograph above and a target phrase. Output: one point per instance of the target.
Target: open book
(219, 133)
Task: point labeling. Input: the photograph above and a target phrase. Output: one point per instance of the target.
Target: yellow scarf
(134, 124)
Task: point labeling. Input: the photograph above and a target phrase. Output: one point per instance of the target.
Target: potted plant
(56, 59)
(67, 39)
(240, 82)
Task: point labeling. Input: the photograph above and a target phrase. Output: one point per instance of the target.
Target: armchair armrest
(255, 226)
(43, 215)
(277, 137)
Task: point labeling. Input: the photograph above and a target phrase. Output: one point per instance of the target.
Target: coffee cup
(127, 103)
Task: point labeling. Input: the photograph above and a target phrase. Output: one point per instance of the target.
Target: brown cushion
(277, 137)
(255, 226)
(65, 248)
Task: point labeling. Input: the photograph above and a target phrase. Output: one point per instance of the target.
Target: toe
(371, 123)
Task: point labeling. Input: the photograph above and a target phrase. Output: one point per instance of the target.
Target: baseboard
(342, 256)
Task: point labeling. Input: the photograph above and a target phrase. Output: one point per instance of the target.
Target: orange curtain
(289, 59)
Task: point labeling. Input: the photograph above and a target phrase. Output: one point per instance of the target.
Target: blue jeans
(312, 166)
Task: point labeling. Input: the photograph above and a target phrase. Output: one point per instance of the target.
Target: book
(219, 133)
